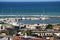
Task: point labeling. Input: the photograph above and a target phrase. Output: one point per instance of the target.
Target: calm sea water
(47, 21)
(29, 8)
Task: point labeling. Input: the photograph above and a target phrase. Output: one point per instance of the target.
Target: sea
(31, 8)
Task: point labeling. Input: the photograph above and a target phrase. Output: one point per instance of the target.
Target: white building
(57, 34)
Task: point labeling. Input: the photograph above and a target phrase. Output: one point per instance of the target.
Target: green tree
(28, 32)
(7, 32)
(15, 32)
(49, 26)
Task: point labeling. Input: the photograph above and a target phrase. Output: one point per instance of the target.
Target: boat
(42, 17)
(23, 18)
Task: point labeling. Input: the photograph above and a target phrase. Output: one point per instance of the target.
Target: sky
(26, 0)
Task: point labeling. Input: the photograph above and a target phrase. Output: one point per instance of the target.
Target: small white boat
(43, 17)
(23, 18)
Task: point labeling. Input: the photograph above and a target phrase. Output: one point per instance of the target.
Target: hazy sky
(26, 0)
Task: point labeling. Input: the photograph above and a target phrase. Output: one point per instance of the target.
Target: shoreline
(31, 15)
(32, 19)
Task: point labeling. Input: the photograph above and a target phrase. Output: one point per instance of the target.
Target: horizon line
(30, 1)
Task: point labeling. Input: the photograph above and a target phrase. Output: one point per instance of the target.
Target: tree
(10, 31)
(28, 32)
(7, 32)
(49, 26)
(15, 32)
